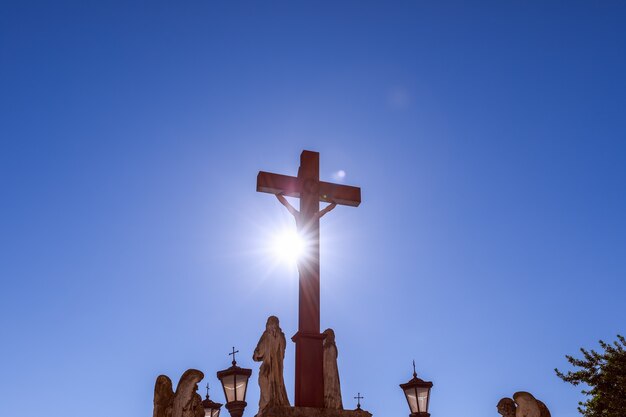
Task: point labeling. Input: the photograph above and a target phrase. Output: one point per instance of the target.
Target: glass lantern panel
(242, 381)
(422, 399)
(411, 397)
(208, 412)
(228, 382)
(216, 413)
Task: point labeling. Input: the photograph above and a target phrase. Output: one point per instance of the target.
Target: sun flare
(288, 246)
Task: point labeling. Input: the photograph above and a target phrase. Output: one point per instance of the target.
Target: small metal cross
(358, 399)
(207, 390)
(414, 373)
(233, 353)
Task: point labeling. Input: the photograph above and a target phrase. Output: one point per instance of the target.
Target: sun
(288, 246)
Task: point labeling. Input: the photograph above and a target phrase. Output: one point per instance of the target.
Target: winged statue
(185, 402)
(523, 404)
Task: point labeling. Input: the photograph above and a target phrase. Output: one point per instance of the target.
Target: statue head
(272, 323)
(329, 336)
(506, 407)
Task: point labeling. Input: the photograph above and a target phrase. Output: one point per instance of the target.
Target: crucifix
(309, 382)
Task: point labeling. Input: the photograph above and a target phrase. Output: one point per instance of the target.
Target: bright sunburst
(288, 245)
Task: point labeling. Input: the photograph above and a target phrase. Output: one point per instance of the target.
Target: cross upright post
(309, 226)
(309, 382)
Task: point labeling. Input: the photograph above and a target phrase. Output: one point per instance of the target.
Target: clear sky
(489, 141)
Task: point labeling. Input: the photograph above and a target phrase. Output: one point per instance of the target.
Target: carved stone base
(311, 412)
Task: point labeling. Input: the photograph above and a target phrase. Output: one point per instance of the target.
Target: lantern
(417, 392)
(211, 408)
(235, 383)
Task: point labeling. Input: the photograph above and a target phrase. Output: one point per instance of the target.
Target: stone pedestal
(311, 412)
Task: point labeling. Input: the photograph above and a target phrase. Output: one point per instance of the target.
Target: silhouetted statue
(271, 351)
(163, 397)
(197, 410)
(523, 404)
(186, 402)
(332, 388)
(526, 405)
(544, 409)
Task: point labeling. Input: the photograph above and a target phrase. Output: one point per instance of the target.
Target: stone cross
(309, 381)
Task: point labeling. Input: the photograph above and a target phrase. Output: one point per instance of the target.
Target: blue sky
(489, 141)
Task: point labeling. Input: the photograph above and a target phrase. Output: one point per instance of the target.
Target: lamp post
(417, 392)
(235, 383)
(211, 408)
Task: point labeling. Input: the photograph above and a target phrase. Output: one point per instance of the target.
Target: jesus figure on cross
(296, 214)
(309, 382)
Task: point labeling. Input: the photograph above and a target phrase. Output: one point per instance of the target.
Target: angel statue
(270, 351)
(523, 404)
(185, 402)
(332, 388)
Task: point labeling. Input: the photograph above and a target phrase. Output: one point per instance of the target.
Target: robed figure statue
(271, 351)
(332, 388)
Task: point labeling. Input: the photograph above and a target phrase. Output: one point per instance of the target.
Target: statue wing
(163, 395)
(185, 390)
(544, 410)
(527, 405)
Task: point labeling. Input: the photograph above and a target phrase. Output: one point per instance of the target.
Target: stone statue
(271, 351)
(186, 402)
(332, 388)
(544, 410)
(506, 407)
(163, 397)
(523, 404)
(526, 405)
(196, 406)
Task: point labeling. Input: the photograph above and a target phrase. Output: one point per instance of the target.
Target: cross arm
(267, 182)
(341, 194)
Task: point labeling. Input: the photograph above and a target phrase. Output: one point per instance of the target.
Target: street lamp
(417, 392)
(211, 408)
(235, 383)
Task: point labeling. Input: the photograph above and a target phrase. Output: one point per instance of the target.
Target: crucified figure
(309, 381)
(296, 214)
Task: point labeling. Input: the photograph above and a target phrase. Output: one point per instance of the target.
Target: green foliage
(605, 376)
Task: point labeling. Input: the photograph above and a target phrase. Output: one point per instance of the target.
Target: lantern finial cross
(233, 353)
(358, 399)
(414, 373)
(207, 390)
